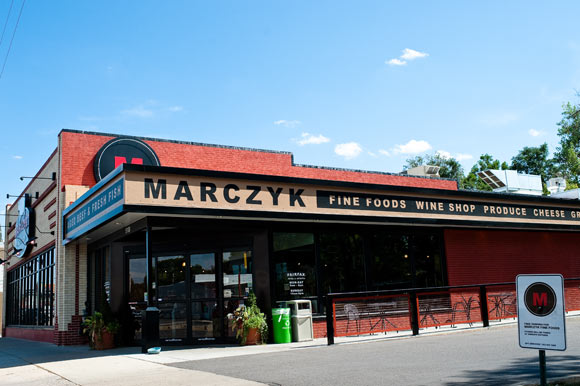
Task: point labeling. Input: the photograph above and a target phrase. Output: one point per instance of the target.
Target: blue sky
(362, 85)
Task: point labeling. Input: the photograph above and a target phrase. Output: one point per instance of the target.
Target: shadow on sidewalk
(20, 352)
(522, 371)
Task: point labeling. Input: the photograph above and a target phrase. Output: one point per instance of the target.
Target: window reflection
(204, 320)
(237, 273)
(202, 271)
(171, 278)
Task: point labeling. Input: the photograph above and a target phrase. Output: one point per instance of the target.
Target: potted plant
(249, 323)
(101, 333)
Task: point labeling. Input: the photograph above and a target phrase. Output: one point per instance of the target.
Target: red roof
(78, 150)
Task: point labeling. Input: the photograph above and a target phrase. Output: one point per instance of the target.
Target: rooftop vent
(424, 171)
(556, 185)
(510, 181)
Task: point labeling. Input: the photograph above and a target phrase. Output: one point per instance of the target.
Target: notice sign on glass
(541, 318)
(296, 282)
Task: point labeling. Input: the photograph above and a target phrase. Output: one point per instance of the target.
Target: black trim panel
(264, 215)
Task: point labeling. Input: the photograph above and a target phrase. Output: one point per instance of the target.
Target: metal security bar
(30, 292)
(363, 313)
(370, 315)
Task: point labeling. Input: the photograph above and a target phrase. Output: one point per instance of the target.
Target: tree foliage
(534, 160)
(529, 160)
(566, 156)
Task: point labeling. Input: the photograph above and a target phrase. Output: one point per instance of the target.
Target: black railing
(372, 312)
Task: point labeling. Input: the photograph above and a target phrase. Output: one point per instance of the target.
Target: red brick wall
(319, 327)
(72, 336)
(572, 295)
(485, 256)
(77, 154)
(79, 150)
(40, 335)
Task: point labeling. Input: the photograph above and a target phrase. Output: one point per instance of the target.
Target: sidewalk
(34, 363)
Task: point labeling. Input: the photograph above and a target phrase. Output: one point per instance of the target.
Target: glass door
(205, 320)
(237, 282)
(137, 289)
(194, 292)
(172, 298)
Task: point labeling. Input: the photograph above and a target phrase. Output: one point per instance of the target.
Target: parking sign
(541, 318)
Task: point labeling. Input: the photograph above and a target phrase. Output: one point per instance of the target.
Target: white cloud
(17, 157)
(371, 153)
(175, 109)
(409, 54)
(534, 133)
(459, 156)
(286, 123)
(138, 111)
(443, 154)
(412, 147)
(309, 139)
(396, 62)
(385, 153)
(348, 150)
(463, 156)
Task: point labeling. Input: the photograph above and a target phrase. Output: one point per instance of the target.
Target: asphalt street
(484, 356)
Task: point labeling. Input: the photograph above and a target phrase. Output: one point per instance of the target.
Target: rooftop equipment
(572, 194)
(424, 171)
(556, 185)
(510, 181)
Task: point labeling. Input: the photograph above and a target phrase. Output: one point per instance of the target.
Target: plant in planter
(249, 323)
(101, 333)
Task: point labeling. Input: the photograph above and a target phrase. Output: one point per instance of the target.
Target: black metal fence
(361, 313)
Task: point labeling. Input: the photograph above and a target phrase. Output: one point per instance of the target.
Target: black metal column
(414, 313)
(329, 320)
(483, 305)
(150, 328)
(543, 380)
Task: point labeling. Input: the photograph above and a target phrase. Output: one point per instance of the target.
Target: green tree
(448, 167)
(566, 156)
(534, 160)
(485, 162)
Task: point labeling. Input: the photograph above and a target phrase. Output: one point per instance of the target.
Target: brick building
(126, 222)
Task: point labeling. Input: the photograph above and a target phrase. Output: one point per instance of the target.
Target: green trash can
(281, 324)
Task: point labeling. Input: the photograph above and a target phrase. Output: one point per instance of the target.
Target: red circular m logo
(122, 150)
(540, 299)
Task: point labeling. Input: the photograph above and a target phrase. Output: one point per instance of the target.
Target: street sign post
(541, 318)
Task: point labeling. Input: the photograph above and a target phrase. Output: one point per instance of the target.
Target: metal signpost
(541, 318)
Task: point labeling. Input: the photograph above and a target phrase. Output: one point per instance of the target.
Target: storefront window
(30, 296)
(237, 273)
(342, 262)
(137, 279)
(390, 262)
(294, 259)
(202, 279)
(428, 262)
(171, 278)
